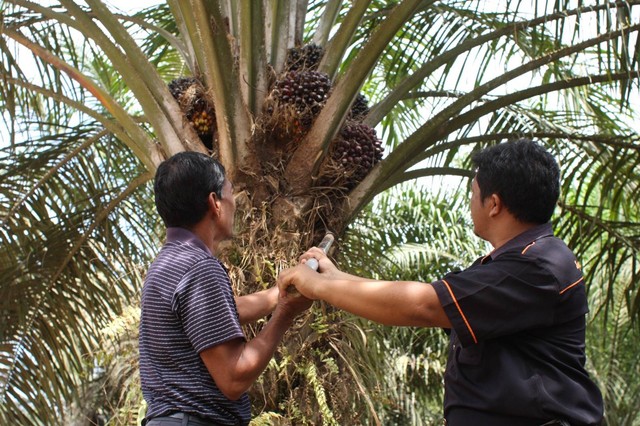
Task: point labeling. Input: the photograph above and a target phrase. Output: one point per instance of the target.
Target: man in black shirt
(516, 316)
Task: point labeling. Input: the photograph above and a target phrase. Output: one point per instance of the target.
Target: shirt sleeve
(205, 304)
(505, 296)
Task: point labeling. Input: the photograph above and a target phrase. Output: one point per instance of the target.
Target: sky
(133, 5)
(128, 5)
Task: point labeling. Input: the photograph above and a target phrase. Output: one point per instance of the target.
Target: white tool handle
(324, 245)
(312, 263)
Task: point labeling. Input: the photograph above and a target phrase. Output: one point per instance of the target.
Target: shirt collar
(525, 238)
(182, 235)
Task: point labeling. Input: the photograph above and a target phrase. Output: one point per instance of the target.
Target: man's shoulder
(534, 246)
(178, 252)
(175, 259)
(548, 247)
(553, 255)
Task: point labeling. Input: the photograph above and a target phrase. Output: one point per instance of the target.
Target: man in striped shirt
(195, 362)
(516, 317)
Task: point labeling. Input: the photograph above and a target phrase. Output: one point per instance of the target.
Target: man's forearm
(252, 307)
(400, 303)
(257, 353)
(236, 364)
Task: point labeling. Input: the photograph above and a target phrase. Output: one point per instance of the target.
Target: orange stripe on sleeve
(572, 285)
(527, 248)
(460, 310)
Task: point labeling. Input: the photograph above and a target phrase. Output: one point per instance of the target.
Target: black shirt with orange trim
(517, 347)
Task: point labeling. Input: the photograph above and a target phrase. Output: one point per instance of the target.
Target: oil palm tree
(314, 108)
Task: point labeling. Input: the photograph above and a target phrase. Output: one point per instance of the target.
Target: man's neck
(206, 234)
(508, 230)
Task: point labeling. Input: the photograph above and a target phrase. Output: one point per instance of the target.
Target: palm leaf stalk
(112, 94)
(112, 106)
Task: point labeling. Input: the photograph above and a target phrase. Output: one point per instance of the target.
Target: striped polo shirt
(187, 306)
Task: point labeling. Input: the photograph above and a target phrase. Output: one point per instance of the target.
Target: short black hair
(524, 175)
(182, 186)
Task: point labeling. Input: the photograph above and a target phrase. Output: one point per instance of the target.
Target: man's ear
(214, 203)
(496, 205)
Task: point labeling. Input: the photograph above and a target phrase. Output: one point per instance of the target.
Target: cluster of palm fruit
(307, 91)
(298, 96)
(306, 57)
(190, 94)
(301, 91)
(295, 101)
(356, 149)
(359, 108)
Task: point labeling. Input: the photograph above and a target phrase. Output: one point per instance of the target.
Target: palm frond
(58, 272)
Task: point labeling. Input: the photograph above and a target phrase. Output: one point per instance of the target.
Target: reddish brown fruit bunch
(357, 149)
(306, 91)
(306, 57)
(359, 108)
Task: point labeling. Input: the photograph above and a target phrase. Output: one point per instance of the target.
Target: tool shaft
(324, 245)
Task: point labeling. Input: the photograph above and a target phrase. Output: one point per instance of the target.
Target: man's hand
(293, 305)
(302, 278)
(325, 266)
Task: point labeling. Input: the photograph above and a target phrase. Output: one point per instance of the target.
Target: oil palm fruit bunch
(307, 90)
(359, 108)
(356, 149)
(306, 57)
(191, 97)
(296, 100)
